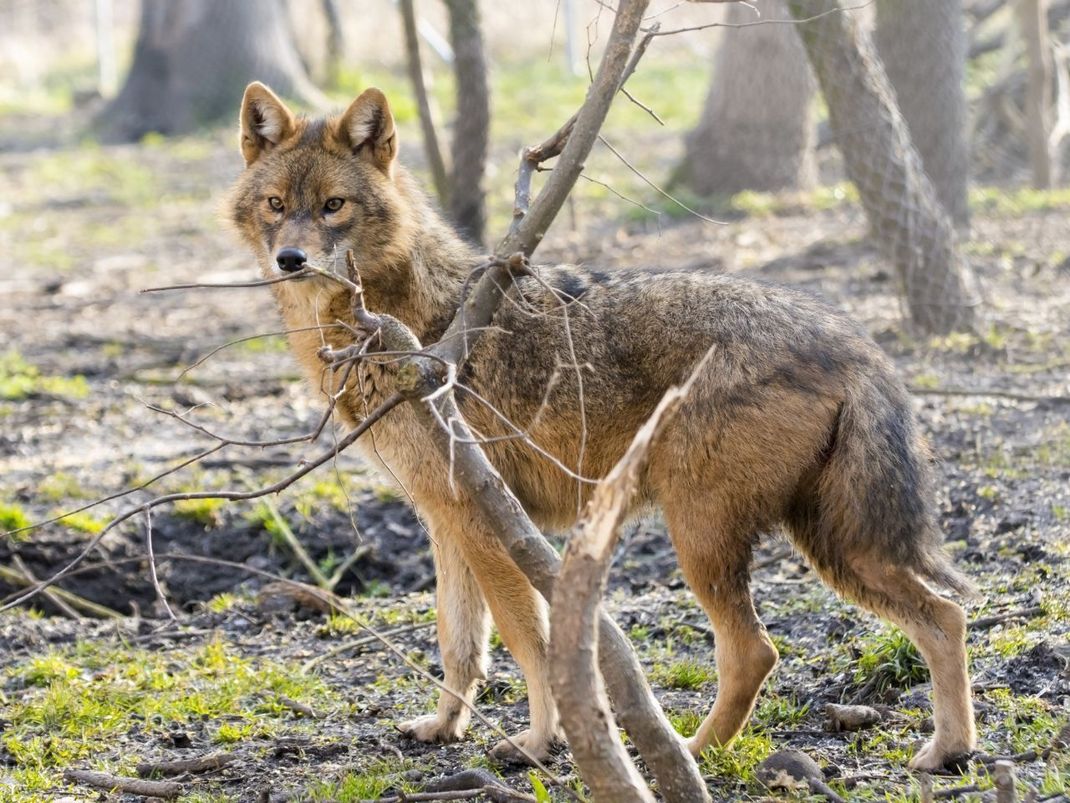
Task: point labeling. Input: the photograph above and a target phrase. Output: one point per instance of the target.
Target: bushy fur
(798, 419)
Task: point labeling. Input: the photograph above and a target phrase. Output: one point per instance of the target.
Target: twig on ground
(50, 594)
(297, 707)
(207, 763)
(957, 791)
(167, 790)
(9, 575)
(985, 622)
(284, 530)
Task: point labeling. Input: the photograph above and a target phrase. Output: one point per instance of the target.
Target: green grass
(687, 674)
(83, 522)
(12, 517)
(1016, 202)
(888, 659)
(20, 380)
(60, 486)
(91, 169)
(207, 512)
(76, 705)
(367, 782)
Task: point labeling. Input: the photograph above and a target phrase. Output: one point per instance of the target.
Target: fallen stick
(50, 593)
(181, 767)
(985, 622)
(167, 790)
(72, 599)
(296, 707)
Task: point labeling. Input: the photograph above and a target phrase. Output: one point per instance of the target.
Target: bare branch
(578, 687)
(376, 415)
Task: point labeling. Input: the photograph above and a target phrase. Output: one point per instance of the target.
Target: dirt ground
(85, 353)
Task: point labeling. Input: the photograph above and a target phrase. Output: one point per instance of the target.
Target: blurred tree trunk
(471, 129)
(1033, 21)
(193, 59)
(335, 40)
(418, 78)
(756, 131)
(908, 221)
(923, 47)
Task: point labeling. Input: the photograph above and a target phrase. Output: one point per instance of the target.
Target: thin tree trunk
(909, 222)
(756, 131)
(471, 130)
(1033, 21)
(923, 47)
(423, 103)
(335, 40)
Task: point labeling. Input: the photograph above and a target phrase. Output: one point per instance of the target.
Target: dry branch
(578, 687)
(27, 580)
(167, 790)
(374, 417)
(187, 765)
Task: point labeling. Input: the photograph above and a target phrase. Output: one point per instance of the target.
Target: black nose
(291, 259)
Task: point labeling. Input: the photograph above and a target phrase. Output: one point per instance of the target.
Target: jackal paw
(535, 746)
(430, 728)
(934, 756)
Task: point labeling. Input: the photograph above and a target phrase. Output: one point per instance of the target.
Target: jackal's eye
(334, 204)
(275, 202)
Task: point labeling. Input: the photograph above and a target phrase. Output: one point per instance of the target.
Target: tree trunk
(335, 40)
(471, 130)
(756, 131)
(435, 161)
(193, 59)
(909, 222)
(923, 47)
(1033, 21)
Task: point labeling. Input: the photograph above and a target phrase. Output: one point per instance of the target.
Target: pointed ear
(367, 127)
(265, 122)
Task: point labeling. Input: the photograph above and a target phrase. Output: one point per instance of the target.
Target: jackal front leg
(463, 633)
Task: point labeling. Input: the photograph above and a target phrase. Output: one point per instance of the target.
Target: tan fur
(797, 419)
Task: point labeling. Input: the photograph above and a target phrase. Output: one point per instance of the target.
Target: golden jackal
(797, 419)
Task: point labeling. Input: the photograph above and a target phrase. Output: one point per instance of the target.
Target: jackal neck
(420, 278)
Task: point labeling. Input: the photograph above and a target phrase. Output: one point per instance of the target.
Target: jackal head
(313, 188)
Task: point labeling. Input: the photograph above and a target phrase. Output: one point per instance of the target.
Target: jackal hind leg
(463, 635)
(937, 627)
(714, 556)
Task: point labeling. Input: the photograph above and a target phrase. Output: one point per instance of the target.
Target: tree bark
(423, 103)
(756, 131)
(908, 221)
(923, 47)
(193, 59)
(471, 129)
(1033, 21)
